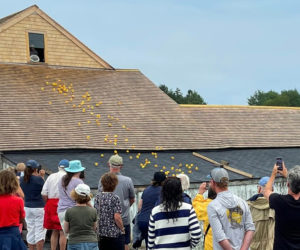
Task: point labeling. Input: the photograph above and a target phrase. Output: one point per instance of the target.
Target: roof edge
(236, 106)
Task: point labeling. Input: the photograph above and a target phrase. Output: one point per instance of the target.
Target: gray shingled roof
(258, 162)
(37, 113)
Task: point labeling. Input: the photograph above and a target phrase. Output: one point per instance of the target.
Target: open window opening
(36, 47)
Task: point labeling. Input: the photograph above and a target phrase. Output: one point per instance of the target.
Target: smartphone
(279, 163)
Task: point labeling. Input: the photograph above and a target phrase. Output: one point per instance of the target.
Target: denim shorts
(84, 246)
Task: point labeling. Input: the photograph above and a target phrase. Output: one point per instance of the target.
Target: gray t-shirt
(125, 191)
(230, 218)
(81, 222)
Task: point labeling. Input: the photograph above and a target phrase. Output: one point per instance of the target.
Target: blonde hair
(185, 181)
(20, 166)
(81, 199)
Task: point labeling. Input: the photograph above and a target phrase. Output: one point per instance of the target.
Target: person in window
(34, 54)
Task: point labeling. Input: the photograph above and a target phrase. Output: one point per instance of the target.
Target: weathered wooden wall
(60, 50)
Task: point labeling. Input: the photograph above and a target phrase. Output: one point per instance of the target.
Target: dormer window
(36, 47)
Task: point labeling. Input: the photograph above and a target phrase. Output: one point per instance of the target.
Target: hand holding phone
(279, 163)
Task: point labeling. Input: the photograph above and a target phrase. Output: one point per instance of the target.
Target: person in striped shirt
(173, 224)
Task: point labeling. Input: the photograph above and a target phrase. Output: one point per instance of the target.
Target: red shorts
(51, 220)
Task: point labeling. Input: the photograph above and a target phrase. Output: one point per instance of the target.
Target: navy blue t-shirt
(32, 191)
(150, 196)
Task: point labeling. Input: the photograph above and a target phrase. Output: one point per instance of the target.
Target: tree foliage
(288, 98)
(192, 97)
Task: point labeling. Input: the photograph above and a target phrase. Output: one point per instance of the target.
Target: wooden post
(227, 167)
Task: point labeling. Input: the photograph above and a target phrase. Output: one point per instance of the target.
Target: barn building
(61, 100)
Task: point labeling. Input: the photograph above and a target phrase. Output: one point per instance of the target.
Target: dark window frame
(36, 46)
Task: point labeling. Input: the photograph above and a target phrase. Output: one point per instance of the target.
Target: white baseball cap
(83, 189)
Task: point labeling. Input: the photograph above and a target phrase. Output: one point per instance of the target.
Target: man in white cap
(263, 217)
(50, 195)
(229, 215)
(125, 191)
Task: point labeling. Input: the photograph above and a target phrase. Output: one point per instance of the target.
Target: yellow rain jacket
(200, 205)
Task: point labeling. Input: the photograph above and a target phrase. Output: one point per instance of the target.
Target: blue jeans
(84, 246)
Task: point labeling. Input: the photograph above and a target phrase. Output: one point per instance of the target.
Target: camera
(279, 163)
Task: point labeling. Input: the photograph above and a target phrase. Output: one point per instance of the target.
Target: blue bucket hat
(64, 163)
(75, 167)
(32, 164)
(263, 181)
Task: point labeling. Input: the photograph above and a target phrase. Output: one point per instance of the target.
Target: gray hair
(185, 181)
(294, 179)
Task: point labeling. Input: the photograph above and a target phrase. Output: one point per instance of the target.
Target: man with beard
(229, 215)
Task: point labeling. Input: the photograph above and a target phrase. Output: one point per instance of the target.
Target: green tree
(192, 97)
(288, 98)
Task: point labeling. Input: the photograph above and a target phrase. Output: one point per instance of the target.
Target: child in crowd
(80, 221)
(11, 212)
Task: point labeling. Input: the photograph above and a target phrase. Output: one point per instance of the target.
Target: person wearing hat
(81, 220)
(65, 185)
(263, 217)
(50, 195)
(125, 191)
(229, 216)
(32, 184)
(150, 197)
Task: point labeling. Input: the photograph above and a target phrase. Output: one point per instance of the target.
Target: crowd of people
(167, 218)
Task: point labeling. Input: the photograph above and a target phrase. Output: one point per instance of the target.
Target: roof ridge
(15, 18)
(236, 106)
(7, 18)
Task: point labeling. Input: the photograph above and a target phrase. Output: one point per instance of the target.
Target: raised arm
(268, 188)
(200, 204)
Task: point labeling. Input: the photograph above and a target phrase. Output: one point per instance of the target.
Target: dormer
(32, 37)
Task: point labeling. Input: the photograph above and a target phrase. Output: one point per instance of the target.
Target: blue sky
(225, 50)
